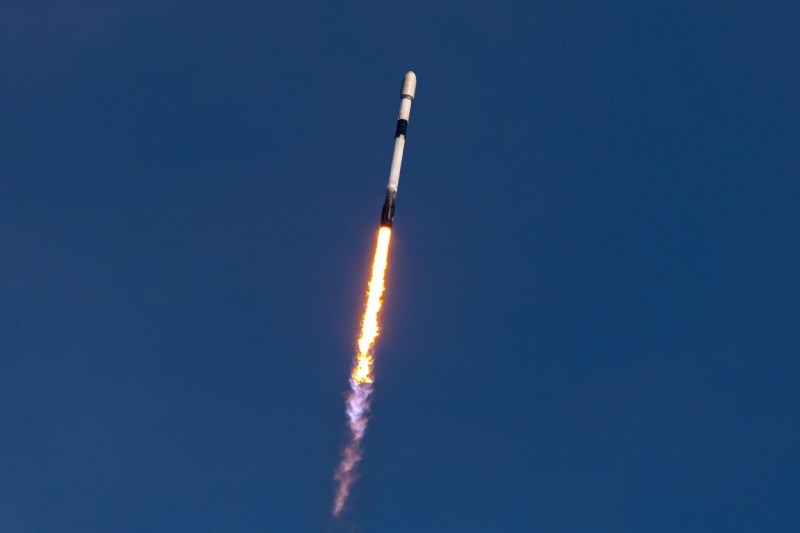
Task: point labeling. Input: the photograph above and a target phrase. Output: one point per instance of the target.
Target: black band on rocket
(402, 127)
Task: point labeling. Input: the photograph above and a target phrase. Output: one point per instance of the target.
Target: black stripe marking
(402, 126)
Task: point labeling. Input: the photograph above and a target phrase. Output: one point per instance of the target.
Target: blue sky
(591, 319)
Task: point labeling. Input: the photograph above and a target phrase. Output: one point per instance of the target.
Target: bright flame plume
(361, 376)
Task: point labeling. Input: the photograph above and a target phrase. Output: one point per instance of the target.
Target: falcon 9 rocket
(406, 97)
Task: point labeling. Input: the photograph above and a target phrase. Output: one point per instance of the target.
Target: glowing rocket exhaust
(358, 398)
(361, 376)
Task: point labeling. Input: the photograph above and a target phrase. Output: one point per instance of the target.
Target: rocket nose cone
(409, 85)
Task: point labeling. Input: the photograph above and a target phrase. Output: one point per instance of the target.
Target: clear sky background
(591, 321)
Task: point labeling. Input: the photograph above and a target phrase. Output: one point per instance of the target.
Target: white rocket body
(406, 97)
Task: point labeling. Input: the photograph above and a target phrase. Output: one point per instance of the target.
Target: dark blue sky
(591, 320)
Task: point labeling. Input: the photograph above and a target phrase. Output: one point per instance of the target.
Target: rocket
(406, 97)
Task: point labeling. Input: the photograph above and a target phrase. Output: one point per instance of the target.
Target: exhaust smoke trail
(358, 398)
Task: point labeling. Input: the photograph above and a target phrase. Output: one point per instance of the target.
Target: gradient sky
(592, 320)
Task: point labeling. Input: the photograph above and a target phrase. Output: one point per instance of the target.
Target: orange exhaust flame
(361, 376)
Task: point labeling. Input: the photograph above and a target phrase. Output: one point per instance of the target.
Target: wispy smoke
(357, 414)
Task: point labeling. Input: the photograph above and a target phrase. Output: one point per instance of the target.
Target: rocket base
(387, 213)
